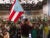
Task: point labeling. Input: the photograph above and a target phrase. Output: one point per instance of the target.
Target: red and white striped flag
(16, 11)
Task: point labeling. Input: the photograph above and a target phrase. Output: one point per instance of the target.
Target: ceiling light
(40, 0)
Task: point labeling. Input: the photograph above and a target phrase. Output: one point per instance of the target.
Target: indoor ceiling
(38, 4)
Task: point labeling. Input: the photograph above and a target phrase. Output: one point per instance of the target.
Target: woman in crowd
(34, 31)
(45, 31)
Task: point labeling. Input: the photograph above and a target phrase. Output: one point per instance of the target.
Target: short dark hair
(26, 20)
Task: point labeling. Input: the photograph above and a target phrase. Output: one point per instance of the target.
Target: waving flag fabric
(16, 11)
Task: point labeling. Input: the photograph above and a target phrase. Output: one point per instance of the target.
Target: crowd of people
(24, 29)
(32, 6)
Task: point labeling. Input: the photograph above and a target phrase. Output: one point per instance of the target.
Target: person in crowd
(49, 34)
(40, 31)
(45, 31)
(1, 34)
(7, 25)
(34, 31)
(13, 31)
(25, 28)
(49, 31)
(5, 33)
(19, 33)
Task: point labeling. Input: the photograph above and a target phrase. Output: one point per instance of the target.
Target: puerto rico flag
(16, 11)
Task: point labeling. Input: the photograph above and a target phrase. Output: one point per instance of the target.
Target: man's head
(26, 21)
